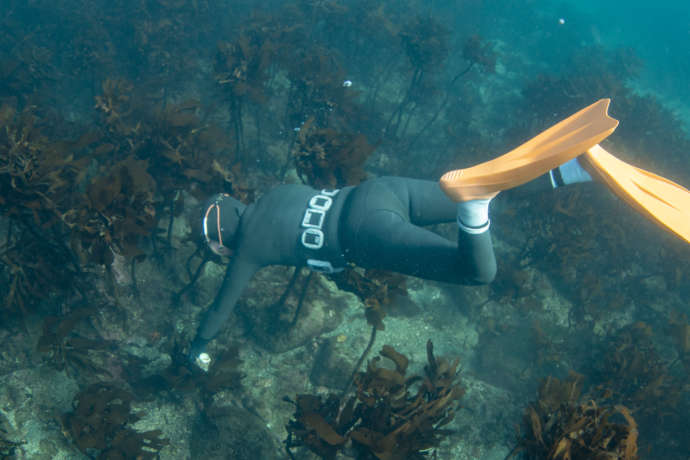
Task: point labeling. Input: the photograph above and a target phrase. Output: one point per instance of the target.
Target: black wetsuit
(377, 224)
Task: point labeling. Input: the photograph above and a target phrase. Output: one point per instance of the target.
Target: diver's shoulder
(281, 188)
(281, 200)
(286, 192)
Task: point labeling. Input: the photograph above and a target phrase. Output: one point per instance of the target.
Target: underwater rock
(502, 358)
(486, 418)
(404, 306)
(330, 367)
(31, 399)
(281, 327)
(119, 269)
(232, 432)
(463, 298)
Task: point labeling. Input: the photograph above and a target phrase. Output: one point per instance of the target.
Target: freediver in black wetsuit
(379, 223)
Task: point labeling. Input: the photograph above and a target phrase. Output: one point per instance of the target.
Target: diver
(379, 223)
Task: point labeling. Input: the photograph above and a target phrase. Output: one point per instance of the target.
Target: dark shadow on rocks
(330, 368)
(233, 433)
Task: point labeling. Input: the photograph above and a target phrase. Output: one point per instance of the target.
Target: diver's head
(220, 221)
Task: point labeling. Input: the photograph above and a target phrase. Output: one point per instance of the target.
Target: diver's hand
(198, 355)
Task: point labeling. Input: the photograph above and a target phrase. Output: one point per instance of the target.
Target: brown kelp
(562, 424)
(327, 158)
(391, 415)
(633, 371)
(36, 177)
(425, 42)
(100, 421)
(375, 288)
(79, 355)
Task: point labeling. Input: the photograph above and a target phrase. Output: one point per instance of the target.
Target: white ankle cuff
(474, 230)
(474, 213)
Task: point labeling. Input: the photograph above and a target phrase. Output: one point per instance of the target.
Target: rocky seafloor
(507, 336)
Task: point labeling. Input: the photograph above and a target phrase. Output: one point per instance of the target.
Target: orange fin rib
(551, 148)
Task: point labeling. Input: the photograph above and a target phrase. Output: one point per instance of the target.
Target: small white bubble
(561, 21)
(347, 83)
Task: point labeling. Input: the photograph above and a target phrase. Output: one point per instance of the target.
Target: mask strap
(220, 235)
(205, 223)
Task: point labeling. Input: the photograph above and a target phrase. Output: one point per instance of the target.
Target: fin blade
(549, 149)
(657, 198)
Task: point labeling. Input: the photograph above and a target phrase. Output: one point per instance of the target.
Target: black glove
(197, 347)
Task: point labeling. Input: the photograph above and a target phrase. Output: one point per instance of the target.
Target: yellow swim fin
(657, 198)
(551, 148)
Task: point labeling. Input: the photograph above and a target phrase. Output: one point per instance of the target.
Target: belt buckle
(310, 214)
(312, 238)
(323, 266)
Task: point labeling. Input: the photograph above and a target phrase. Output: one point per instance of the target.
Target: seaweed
(96, 192)
(241, 66)
(182, 150)
(99, 421)
(375, 288)
(628, 368)
(32, 270)
(190, 154)
(326, 158)
(633, 372)
(35, 172)
(157, 148)
(679, 329)
(425, 41)
(476, 53)
(122, 208)
(69, 350)
(36, 177)
(390, 416)
(316, 91)
(242, 69)
(562, 424)
(8, 448)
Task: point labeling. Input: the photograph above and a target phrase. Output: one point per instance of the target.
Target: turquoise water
(658, 33)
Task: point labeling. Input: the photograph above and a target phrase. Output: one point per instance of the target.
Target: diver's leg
(421, 201)
(386, 240)
(427, 204)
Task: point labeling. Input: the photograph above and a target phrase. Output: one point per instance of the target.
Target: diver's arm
(237, 276)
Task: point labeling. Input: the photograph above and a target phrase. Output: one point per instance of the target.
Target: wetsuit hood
(220, 220)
